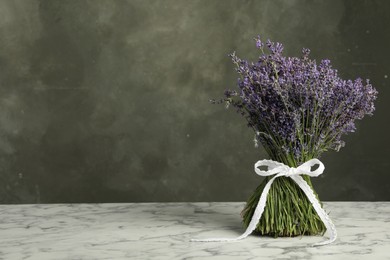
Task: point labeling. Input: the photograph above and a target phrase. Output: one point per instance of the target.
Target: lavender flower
(298, 109)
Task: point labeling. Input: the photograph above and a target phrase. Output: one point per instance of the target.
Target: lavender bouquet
(298, 109)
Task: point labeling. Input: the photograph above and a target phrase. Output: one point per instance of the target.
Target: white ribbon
(281, 169)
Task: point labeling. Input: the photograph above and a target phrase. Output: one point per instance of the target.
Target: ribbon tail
(254, 221)
(320, 211)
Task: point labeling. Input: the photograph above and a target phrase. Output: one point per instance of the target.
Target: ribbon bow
(279, 169)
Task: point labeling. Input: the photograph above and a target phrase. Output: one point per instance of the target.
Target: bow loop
(306, 168)
(272, 167)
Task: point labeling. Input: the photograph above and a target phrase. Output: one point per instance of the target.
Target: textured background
(107, 101)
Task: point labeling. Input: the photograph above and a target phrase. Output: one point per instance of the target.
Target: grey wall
(107, 101)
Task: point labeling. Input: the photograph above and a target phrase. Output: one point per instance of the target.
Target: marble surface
(163, 231)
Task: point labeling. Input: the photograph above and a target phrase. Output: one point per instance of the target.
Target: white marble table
(163, 231)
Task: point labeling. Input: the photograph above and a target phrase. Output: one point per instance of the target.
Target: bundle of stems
(288, 211)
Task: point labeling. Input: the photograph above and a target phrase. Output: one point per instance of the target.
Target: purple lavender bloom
(298, 109)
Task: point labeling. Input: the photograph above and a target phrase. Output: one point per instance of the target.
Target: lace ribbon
(279, 169)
